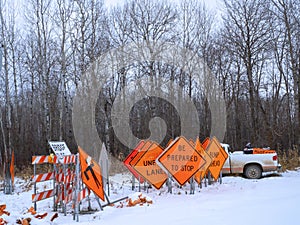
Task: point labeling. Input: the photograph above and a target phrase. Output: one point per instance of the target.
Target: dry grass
(25, 172)
(289, 159)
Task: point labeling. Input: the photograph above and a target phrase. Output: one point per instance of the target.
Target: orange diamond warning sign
(91, 173)
(181, 160)
(218, 155)
(141, 151)
(147, 167)
(128, 159)
(202, 171)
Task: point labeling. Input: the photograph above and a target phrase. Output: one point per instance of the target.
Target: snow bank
(271, 200)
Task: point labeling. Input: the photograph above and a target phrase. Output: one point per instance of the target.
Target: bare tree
(63, 22)
(6, 129)
(287, 11)
(248, 26)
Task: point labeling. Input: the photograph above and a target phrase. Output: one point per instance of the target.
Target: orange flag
(91, 173)
(12, 167)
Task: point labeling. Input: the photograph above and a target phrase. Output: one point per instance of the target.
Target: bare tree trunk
(287, 11)
(65, 11)
(249, 25)
(2, 158)
(7, 139)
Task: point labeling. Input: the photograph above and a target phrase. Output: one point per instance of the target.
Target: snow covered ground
(272, 200)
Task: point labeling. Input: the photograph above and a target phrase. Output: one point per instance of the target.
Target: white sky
(213, 4)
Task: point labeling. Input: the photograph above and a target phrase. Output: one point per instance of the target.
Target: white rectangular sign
(60, 149)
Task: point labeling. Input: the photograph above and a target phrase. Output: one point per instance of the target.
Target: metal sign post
(132, 182)
(192, 186)
(105, 166)
(107, 180)
(65, 189)
(77, 189)
(139, 183)
(200, 183)
(169, 183)
(54, 188)
(34, 185)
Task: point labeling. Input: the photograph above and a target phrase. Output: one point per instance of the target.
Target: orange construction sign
(202, 171)
(91, 173)
(134, 152)
(142, 150)
(192, 142)
(205, 143)
(169, 142)
(147, 167)
(181, 160)
(134, 160)
(218, 155)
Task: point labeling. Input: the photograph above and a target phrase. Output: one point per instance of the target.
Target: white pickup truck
(251, 163)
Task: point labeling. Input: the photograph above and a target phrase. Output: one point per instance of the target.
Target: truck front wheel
(253, 172)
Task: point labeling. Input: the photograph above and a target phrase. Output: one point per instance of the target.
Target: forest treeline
(251, 47)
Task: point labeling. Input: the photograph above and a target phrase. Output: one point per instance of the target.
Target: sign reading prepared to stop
(181, 160)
